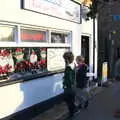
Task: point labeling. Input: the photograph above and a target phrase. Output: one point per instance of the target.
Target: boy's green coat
(69, 77)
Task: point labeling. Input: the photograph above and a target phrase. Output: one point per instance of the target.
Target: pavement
(103, 106)
(60, 111)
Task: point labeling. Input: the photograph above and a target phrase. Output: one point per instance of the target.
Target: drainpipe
(93, 48)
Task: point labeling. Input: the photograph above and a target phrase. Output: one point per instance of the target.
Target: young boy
(81, 81)
(68, 82)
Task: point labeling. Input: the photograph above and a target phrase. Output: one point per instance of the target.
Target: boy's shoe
(86, 104)
(69, 117)
(76, 111)
(79, 106)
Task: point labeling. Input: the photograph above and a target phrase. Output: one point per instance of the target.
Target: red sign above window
(32, 36)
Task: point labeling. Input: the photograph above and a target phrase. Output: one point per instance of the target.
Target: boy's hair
(68, 56)
(80, 58)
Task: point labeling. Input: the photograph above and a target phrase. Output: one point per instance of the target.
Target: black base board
(35, 110)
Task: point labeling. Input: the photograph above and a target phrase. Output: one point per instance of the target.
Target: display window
(16, 62)
(24, 61)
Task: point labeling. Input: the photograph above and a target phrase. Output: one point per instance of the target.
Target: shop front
(34, 35)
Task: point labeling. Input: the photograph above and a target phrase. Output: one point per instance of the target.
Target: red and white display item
(43, 54)
(6, 62)
(19, 54)
(33, 57)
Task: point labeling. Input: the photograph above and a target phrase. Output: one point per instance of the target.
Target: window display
(20, 62)
(15, 62)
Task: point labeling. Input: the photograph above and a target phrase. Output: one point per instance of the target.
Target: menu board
(55, 59)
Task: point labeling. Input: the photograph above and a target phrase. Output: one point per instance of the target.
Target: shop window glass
(20, 62)
(28, 35)
(59, 38)
(6, 33)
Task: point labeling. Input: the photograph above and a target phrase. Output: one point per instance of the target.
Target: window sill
(29, 77)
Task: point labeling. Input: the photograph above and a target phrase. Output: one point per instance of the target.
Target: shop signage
(64, 9)
(55, 59)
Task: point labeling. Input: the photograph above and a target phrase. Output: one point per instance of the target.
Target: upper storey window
(28, 35)
(7, 33)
